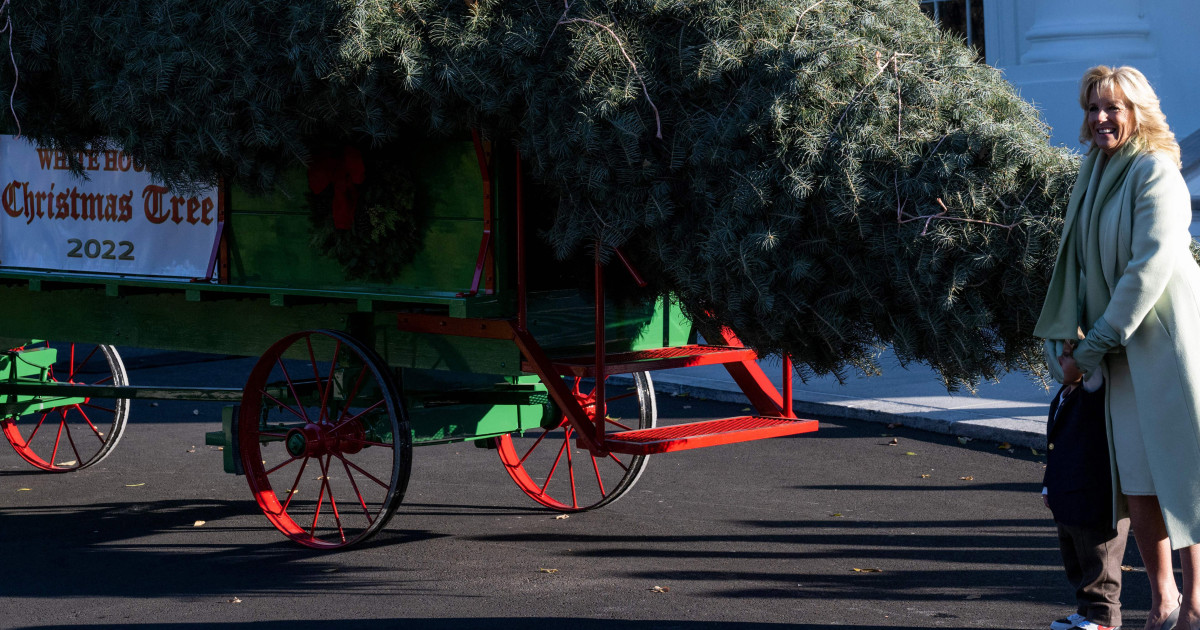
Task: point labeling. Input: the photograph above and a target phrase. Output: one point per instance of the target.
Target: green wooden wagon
(352, 374)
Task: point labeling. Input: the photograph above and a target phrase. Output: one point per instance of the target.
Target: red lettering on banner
(9, 200)
(193, 208)
(75, 203)
(91, 205)
(152, 195)
(46, 158)
(63, 203)
(110, 160)
(125, 204)
(177, 204)
(206, 210)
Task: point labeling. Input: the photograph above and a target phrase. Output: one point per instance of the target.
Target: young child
(1078, 490)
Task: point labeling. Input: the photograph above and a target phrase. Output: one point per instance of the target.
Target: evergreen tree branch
(629, 60)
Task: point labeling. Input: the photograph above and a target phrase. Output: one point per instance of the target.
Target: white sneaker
(1071, 621)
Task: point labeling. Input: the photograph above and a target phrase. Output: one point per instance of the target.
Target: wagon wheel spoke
(550, 475)
(58, 438)
(70, 439)
(295, 485)
(341, 425)
(366, 474)
(353, 395)
(361, 501)
(535, 445)
(283, 405)
(96, 407)
(37, 428)
(284, 463)
(292, 388)
(77, 368)
(617, 424)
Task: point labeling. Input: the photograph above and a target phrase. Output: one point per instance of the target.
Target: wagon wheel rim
(324, 440)
(551, 468)
(74, 436)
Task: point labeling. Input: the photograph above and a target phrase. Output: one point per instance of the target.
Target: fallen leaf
(134, 485)
(562, 517)
(745, 409)
(541, 570)
(192, 450)
(974, 596)
(836, 514)
(197, 523)
(858, 570)
(24, 489)
(967, 478)
(196, 412)
(69, 463)
(1126, 567)
(910, 453)
(1004, 446)
(892, 425)
(1035, 452)
(235, 601)
(894, 442)
(687, 406)
(925, 476)
(329, 570)
(220, 448)
(962, 439)
(660, 589)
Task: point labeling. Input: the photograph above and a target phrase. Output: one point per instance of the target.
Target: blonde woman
(1125, 275)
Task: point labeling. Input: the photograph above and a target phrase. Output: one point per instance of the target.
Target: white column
(1087, 31)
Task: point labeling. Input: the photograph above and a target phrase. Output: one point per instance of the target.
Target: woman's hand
(1072, 375)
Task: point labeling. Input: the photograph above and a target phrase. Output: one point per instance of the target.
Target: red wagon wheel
(550, 467)
(324, 439)
(83, 431)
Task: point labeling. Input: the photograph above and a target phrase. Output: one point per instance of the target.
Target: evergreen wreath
(383, 233)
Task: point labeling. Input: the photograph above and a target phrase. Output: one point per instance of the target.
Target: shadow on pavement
(574, 623)
(62, 549)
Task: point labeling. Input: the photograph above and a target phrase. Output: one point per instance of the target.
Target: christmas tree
(822, 176)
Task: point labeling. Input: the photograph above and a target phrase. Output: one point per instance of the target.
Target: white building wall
(1044, 46)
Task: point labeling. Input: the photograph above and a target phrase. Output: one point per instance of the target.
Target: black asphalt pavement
(838, 528)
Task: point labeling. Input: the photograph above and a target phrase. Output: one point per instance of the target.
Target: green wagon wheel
(324, 439)
(78, 432)
(553, 470)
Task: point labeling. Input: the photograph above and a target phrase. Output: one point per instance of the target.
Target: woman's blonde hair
(1151, 132)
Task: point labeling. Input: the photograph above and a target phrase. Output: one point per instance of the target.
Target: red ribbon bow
(342, 172)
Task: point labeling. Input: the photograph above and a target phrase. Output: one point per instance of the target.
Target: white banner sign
(117, 221)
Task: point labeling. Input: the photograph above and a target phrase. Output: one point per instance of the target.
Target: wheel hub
(316, 440)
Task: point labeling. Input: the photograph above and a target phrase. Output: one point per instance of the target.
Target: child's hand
(1046, 500)
(1071, 373)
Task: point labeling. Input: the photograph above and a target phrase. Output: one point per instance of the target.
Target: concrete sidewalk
(1013, 410)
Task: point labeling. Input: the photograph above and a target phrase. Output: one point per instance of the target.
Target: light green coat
(1143, 293)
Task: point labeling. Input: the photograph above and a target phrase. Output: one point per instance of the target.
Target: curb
(998, 431)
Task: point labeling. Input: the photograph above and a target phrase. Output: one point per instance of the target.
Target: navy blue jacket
(1077, 475)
